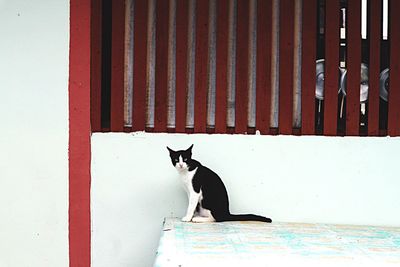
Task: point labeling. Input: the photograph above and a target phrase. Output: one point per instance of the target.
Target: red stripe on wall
(375, 10)
(161, 75)
(79, 133)
(263, 82)
(353, 67)
(201, 77)
(394, 90)
(242, 51)
(286, 22)
(139, 65)
(117, 65)
(95, 62)
(309, 56)
(181, 64)
(222, 66)
(331, 66)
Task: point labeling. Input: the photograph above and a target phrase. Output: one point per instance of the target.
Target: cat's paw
(186, 219)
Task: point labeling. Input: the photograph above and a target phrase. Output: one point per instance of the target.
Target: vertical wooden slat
(286, 51)
(375, 11)
(95, 65)
(242, 50)
(309, 56)
(394, 73)
(353, 67)
(331, 66)
(117, 65)
(181, 64)
(222, 66)
(263, 91)
(161, 67)
(139, 65)
(200, 102)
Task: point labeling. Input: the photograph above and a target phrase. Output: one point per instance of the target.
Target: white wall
(34, 133)
(300, 179)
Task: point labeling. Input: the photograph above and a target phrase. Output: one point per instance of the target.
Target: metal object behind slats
(151, 62)
(297, 64)
(211, 69)
(171, 64)
(191, 64)
(275, 65)
(128, 66)
(230, 120)
(251, 112)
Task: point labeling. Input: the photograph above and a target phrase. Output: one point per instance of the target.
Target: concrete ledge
(276, 244)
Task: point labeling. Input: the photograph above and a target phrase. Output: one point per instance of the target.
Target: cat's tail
(248, 217)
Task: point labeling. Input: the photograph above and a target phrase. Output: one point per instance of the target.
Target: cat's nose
(181, 165)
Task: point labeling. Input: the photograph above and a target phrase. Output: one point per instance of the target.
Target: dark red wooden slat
(117, 65)
(222, 66)
(181, 64)
(263, 99)
(331, 66)
(394, 89)
(95, 65)
(242, 50)
(200, 101)
(139, 65)
(309, 56)
(161, 76)
(375, 10)
(353, 67)
(286, 22)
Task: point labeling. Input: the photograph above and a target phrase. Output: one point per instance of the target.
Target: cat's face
(180, 158)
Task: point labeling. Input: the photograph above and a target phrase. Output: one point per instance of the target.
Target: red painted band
(79, 133)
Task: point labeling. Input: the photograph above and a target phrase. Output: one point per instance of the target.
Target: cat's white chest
(186, 178)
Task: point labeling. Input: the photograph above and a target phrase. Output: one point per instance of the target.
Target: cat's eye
(184, 159)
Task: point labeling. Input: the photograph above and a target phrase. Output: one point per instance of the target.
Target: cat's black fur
(215, 196)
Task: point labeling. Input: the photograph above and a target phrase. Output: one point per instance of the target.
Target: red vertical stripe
(309, 56)
(375, 11)
(353, 67)
(95, 66)
(161, 68)
(201, 77)
(117, 65)
(331, 66)
(222, 66)
(139, 65)
(242, 50)
(79, 133)
(394, 89)
(263, 83)
(286, 22)
(181, 64)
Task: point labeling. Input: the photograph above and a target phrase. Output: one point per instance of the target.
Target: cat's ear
(170, 150)
(190, 148)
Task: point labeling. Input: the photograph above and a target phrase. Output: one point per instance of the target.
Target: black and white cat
(208, 198)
